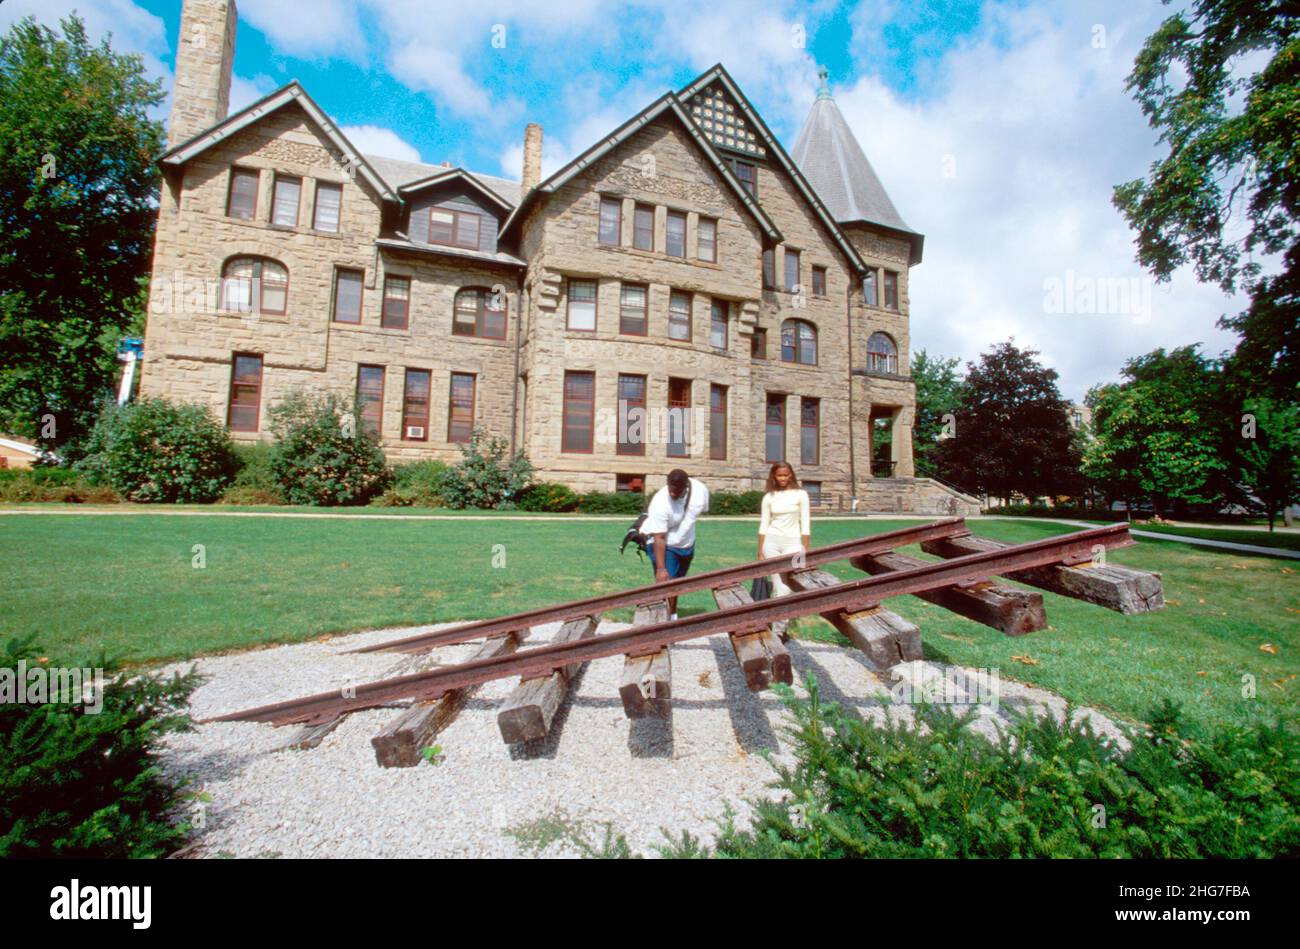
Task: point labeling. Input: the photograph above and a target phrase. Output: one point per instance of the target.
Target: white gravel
(596, 768)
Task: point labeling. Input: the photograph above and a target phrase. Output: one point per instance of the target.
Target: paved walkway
(1203, 542)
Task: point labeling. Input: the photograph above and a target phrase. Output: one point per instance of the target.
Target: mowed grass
(128, 586)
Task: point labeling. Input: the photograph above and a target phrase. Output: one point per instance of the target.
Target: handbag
(760, 589)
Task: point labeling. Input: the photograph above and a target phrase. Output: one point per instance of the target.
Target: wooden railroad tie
(762, 656)
(527, 713)
(884, 637)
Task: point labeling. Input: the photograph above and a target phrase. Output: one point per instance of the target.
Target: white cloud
(320, 30)
(245, 91)
(1040, 129)
(373, 140)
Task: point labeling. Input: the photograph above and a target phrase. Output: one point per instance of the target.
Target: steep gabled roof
(293, 92)
(667, 104)
(403, 174)
(834, 163)
(775, 151)
(445, 175)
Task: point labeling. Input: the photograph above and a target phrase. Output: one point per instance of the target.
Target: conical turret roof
(831, 159)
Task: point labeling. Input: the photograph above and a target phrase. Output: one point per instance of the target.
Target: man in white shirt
(670, 523)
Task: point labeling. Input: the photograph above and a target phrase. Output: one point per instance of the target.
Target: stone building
(685, 293)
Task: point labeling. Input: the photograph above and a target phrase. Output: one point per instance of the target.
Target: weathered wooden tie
(527, 713)
(883, 636)
(762, 656)
(1011, 611)
(402, 742)
(1117, 588)
(647, 685)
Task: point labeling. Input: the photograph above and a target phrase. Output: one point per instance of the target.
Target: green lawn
(127, 585)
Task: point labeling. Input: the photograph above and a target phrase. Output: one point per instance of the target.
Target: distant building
(685, 293)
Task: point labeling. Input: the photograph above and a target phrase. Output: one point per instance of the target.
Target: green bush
(1045, 790)
(416, 483)
(52, 484)
(323, 455)
(157, 451)
(244, 495)
(612, 502)
(548, 496)
(487, 476)
(88, 785)
(256, 466)
(728, 502)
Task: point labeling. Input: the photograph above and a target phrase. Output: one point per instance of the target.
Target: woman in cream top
(785, 527)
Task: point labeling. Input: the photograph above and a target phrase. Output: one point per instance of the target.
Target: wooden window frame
(622, 476)
(637, 210)
(256, 292)
(480, 314)
(645, 309)
(406, 307)
(407, 418)
(632, 448)
(796, 286)
(565, 448)
(568, 304)
(725, 322)
(315, 210)
(451, 406)
(236, 171)
(804, 427)
(456, 215)
(768, 423)
(361, 298)
(758, 344)
(818, 281)
(872, 280)
(230, 393)
(297, 207)
(889, 357)
(617, 204)
(750, 184)
(383, 386)
(890, 277)
(768, 268)
(797, 361)
(717, 415)
(668, 243)
(690, 322)
(699, 244)
(686, 428)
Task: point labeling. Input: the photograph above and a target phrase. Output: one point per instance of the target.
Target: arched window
(882, 353)
(479, 312)
(799, 342)
(254, 285)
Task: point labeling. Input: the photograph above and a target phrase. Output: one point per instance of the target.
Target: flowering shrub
(323, 455)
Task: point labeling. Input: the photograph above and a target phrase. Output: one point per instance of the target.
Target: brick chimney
(532, 157)
(205, 54)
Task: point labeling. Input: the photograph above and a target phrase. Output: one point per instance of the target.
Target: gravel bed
(488, 799)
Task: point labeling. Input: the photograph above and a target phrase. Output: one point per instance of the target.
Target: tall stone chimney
(532, 157)
(205, 54)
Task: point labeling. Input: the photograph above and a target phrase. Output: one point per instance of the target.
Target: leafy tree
(1268, 457)
(1160, 433)
(1233, 151)
(1013, 431)
(78, 192)
(938, 393)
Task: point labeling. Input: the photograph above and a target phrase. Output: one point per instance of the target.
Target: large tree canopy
(1013, 432)
(1228, 191)
(78, 195)
(1161, 434)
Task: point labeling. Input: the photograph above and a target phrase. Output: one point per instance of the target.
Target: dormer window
(453, 228)
(747, 174)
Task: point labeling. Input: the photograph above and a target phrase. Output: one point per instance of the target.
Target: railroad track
(1071, 565)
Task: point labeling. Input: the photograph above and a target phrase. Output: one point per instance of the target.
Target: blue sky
(998, 127)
